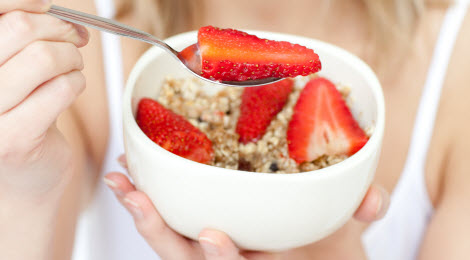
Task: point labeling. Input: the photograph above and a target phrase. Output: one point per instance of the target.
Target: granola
(216, 115)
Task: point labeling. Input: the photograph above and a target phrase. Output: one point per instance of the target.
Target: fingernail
(82, 31)
(209, 246)
(110, 183)
(113, 186)
(383, 203)
(134, 208)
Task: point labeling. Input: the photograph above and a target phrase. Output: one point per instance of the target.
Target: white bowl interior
(363, 104)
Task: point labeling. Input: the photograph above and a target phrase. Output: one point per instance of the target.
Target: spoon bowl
(188, 59)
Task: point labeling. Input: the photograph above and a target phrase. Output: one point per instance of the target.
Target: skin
(50, 170)
(36, 163)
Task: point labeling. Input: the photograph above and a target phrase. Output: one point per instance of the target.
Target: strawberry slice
(173, 132)
(259, 106)
(231, 55)
(322, 124)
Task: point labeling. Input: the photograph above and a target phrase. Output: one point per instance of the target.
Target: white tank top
(105, 231)
(399, 234)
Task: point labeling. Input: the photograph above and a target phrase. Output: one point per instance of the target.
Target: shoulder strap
(429, 103)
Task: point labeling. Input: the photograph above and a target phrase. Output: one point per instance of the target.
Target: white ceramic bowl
(259, 211)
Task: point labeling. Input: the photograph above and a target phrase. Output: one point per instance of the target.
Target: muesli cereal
(216, 115)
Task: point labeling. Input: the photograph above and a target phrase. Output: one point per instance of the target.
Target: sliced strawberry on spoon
(259, 106)
(322, 124)
(173, 132)
(231, 55)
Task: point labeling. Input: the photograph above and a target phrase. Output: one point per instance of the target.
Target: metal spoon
(190, 62)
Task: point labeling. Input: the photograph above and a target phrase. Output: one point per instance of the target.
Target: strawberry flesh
(322, 124)
(173, 132)
(231, 55)
(259, 106)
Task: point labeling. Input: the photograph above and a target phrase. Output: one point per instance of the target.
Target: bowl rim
(375, 140)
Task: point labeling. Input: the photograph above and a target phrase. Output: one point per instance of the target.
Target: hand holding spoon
(190, 62)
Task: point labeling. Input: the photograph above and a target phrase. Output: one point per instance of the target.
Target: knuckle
(66, 83)
(151, 228)
(66, 89)
(81, 83)
(70, 86)
(53, 57)
(74, 55)
(43, 53)
(79, 64)
(142, 231)
(18, 22)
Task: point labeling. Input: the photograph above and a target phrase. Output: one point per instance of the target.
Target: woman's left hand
(211, 244)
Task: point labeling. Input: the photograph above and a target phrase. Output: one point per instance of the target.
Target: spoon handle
(107, 25)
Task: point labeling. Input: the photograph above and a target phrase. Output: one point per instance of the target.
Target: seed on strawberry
(322, 124)
(173, 132)
(231, 55)
(259, 106)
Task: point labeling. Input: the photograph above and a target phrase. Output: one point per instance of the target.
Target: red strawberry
(322, 124)
(259, 106)
(173, 132)
(231, 55)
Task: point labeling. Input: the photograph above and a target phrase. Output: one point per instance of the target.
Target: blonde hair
(392, 21)
(163, 17)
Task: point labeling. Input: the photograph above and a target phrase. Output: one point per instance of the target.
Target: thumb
(374, 205)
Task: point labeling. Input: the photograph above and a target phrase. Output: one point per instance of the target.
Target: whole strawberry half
(259, 106)
(322, 124)
(173, 132)
(231, 55)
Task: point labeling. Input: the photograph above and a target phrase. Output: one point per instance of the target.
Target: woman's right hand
(40, 77)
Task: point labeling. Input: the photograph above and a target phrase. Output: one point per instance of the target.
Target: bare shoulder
(449, 228)
(451, 138)
(455, 104)
(456, 107)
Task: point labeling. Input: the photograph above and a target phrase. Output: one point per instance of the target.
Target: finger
(217, 245)
(46, 103)
(36, 64)
(39, 6)
(19, 29)
(166, 242)
(374, 205)
(119, 184)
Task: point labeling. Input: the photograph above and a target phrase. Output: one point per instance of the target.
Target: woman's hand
(40, 77)
(212, 244)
